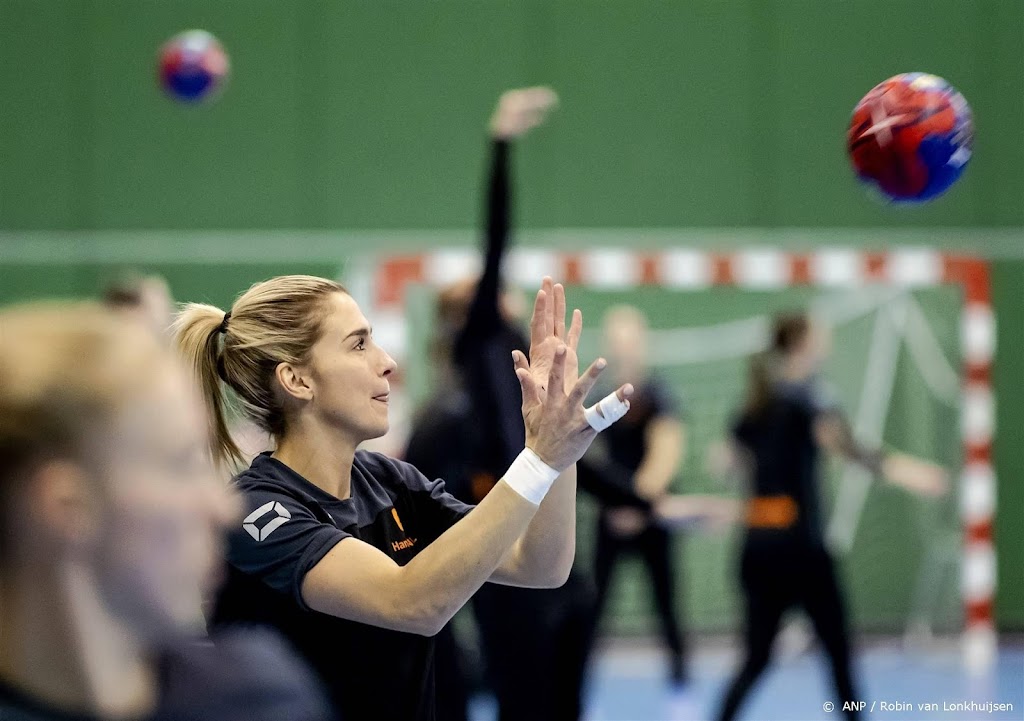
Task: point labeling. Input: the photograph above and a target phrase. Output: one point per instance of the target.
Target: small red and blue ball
(911, 137)
(193, 66)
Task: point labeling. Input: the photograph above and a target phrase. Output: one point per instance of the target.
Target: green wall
(370, 114)
(706, 115)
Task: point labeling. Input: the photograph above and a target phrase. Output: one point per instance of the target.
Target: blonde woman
(110, 533)
(358, 558)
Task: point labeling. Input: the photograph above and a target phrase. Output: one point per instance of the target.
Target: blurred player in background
(535, 639)
(644, 451)
(787, 422)
(110, 532)
(356, 557)
(144, 298)
(468, 432)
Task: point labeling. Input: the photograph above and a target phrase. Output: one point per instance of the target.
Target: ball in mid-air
(193, 66)
(911, 136)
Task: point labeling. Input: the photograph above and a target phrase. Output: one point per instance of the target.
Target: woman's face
(815, 347)
(349, 374)
(625, 339)
(157, 540)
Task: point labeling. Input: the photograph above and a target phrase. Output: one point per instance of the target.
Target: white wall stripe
(298, 244)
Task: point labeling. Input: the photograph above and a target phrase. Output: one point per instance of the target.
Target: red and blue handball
(911, 137)
(193, 66)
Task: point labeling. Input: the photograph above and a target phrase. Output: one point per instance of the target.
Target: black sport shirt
(370, 672)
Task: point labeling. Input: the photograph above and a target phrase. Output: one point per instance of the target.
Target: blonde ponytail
(197, 333)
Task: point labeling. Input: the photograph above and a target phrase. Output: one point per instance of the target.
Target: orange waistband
(771, 512)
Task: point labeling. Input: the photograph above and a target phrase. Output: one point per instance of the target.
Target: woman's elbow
(422, 616)
(429, 627)
(558, 580)
(418, 621)
(555, 575)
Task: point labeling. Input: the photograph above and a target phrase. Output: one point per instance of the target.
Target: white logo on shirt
(260, 534)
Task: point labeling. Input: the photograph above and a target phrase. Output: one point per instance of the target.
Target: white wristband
(530, 477)
(612, 409)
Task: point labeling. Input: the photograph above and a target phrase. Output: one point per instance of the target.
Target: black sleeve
(610, 485)
(484, 311)
(279, 540)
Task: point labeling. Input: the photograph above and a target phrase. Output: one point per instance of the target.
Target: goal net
(912, 339)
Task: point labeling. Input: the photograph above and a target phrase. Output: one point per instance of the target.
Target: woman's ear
(294, 381)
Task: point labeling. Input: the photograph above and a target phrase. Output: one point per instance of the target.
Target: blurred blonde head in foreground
(109, 512)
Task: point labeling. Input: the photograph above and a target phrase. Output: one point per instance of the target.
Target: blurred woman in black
(534, 642)
(531, 639)
(464, 434)
(787, 422)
